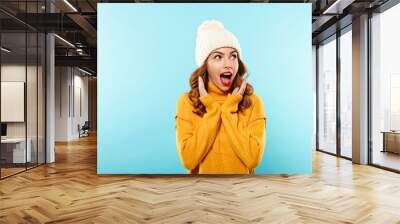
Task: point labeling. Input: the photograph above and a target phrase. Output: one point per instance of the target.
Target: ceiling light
(65, 41)
(5, 50)
(70, 5)
(337, 7)
(84, 71)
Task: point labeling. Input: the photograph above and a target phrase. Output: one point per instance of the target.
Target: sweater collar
(216, 92)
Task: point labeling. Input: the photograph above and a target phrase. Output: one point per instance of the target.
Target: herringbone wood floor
(70, 191)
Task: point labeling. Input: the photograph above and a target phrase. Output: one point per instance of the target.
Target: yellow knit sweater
(222, 141)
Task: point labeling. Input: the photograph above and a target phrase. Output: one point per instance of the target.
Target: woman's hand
(202, 89)
(240, 91)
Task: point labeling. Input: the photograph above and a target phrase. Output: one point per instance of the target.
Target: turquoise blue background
(145, 58)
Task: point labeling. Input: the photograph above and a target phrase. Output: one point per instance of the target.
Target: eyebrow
(219, 52)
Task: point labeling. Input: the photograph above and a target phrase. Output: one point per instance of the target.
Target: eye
(217, 57)
(233, 56)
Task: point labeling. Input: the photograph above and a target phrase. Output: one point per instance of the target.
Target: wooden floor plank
(70, 191)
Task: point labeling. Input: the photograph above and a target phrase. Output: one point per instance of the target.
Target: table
(17, 150)
(391, 141)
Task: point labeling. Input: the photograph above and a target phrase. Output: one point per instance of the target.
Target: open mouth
(226, 78)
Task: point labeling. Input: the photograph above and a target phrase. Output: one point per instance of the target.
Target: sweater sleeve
(247, 140)
(194, 143)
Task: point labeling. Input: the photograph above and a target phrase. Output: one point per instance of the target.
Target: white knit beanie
(212, 35)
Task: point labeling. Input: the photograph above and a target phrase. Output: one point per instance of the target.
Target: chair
(84, 130)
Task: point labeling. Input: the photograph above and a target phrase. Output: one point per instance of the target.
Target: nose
(228, 64)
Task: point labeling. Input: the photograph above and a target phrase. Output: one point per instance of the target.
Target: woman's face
(222, 67)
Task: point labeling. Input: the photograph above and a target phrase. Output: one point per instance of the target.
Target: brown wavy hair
(194, 93)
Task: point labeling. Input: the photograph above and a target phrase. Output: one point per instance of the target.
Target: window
(327, 96)
(346, 93)
(385, 88)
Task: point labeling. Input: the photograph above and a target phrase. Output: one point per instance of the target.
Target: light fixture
(337, 7)
(70, 5)
(64, 40)
(79, 51)
(5, 50)
(331, 7)
(84, 71)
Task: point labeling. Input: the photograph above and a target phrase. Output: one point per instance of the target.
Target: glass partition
(327, 96)
(385, 90)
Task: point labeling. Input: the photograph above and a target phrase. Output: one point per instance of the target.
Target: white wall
(71, 94)
(15, 72)
(62, 81)
(9, 73)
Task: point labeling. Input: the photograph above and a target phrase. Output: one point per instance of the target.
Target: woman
(220, 123)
